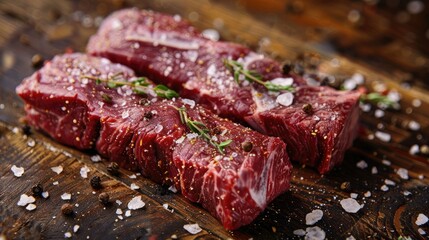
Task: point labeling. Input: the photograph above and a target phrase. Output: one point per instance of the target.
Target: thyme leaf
(202, 130)
(238, 71)
(139, 85)
(376, 98)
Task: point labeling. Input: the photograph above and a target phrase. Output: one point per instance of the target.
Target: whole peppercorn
(148, 114)
(287, 67)
(26, 129)
(37, 61)
(113, 169)
(95, 182)
(247, 146)
(37, 190)
(103, 198)
(67, 209)
(345, 186)
(307, 108)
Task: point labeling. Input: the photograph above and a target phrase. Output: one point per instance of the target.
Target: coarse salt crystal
(421, 219)
(384, 188)
(285, 99)
(119, 211)
(57, 169)
(374, 170)
(180, 140)
(416, 103)
(25, 199)
(84, 171)
(282, 81)
(189, 102)
(119, 202)
(136, 203)
(385, 137)
(314, 233)
(350, 205)
(421, 231)
(362, 164)
(406, 193)
(313, 217)
(17, 171)
(45, 194)
(403, 173)
(31, 207)
(413, 125)
(134, 186)
(367, 194)
(414, 149)
(191, 135)
(66, 196)
(125, 114)
(211, 34)
(76, 228)
(31, 143)
(173, 189)
(133, 176)
(365, 107)
(379, 113)
(211, 70)
(96, 158)
(351, 237)
(389, 182)
(353, 195)
(158, 128)
(67, 235)
(192, 228)
(127, 213)
(299, 232)
(386, 162)
(55, 183)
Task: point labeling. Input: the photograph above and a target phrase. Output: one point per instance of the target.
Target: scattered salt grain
(211, 34)
(118, 202)
(180, 140)
(1, 106)
(136, 203)
(158, 128)
(314, 233)
(31, 143)
(31, 207)
(389, 182)
(362, 164)
(120, 217)
(119, 211)
(403, 173)
(76, 228)
(66, 196)
(367, 194)
(67, 235)
(350, 205)
(96, 158)
(386, 162)
(84, 172)
(416, 103)
(285, 99)
(413, 125)
(379, 113)
(353, 195)
(384, 188)
(421, 219)
(189, 102)
(45, 194)
(282, 81)
(25, 199)
(313, 217)
(125, 114)
(374, 170)
(17, 171)
(55, 183)
(421, 176)
(421, 231)
(365, 107)
(191, 135)
(299, 232)
(406, 193)
(15, 130)
(351, 237)
(134, 186)
(133, 176)
(211, 71)
(57, 169)
(192, 228)
(385, 137)
(173, 189)
(128, 213)
(414, 149)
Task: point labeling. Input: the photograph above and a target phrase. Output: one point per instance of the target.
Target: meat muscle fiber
(171, 51)
(146, 134)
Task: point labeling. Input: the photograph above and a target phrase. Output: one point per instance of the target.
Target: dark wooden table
(326, 37)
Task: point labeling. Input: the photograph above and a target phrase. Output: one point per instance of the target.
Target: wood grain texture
(45, 28)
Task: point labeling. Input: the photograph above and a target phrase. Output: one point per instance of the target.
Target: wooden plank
(386, 214)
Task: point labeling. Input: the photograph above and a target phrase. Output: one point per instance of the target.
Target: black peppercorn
(26, 129)
(37, 61)
(286, 68)
(95, 182)
(247, 146)
(113, 169)
(307, 108)
(103, 198)
(148, 114)
(37, 190)
(67, 209)
(144, 101)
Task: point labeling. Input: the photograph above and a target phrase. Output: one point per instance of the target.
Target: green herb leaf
(164, 92)
(376, 98)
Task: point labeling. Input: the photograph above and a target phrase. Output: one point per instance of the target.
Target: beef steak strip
(146, 134)
(170, 51)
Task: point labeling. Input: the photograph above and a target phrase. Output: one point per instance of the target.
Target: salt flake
(17, 171)
(385, 137)
(57, 169)
(84, 172)
(134, 186)
(96, 158)
(299, 232)
(25, 199)
(403, 173)
(31, 207)
(136, 203)
(362, 164)
(313, 217)
(192, 228)
(314, 233)
(421, 219)
(67, 235)
(76, 228)
(350, 205)
(285, 99)
(66, 196)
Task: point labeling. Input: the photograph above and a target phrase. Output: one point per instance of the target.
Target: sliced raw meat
(172, 52)
(147, 134)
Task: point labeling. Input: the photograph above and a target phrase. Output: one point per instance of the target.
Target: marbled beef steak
(171, 51)
(65, 100)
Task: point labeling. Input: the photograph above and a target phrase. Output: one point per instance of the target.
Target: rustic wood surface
(286, 30)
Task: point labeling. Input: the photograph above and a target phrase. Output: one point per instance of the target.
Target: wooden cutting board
(51, 27)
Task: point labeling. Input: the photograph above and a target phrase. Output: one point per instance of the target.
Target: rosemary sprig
(139, 85)
(376, 98)
(238, 70)
(202, 130)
